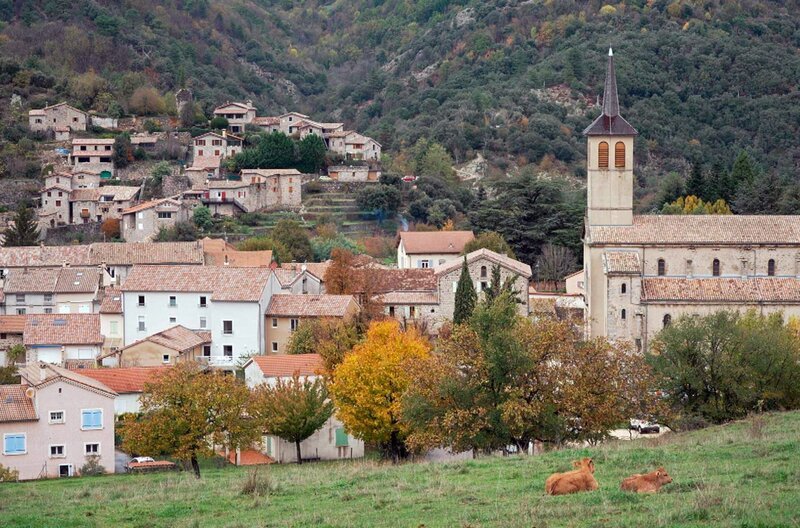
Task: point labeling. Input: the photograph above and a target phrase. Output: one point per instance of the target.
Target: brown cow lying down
(581, 479)
(647, 483)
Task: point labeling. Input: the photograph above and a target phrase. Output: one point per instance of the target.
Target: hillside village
(94, 331)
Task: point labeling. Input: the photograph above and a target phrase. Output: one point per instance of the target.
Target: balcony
(217, 361)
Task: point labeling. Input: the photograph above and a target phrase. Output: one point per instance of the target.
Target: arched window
(667, 320)
(662, 267)
(623, 314)
(483, 272)
(602, 155)
(619, 155)
(715, 268)
(771, 267)
(623, 288)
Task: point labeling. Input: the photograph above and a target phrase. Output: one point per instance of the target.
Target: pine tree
(696, 184)
(24, 231)
(466, 298)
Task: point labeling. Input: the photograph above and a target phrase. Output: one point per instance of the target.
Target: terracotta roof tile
(112, 301)
(220, 253)
(290, 305)
(124, 380)
(268, 173)
(62, 329)
(177, 338)
(287, 365)
(150, 204)
(266, 121)
(446, 242)
(518, 267)
(224, 283)
(131, 253)
(118, 193)
(42, 373)
(52, 280)
(93, 141)
(12, 324)
(15, 406)
(721, 290)
(39, 256)
(317, 269)
(408, 298)
(394, 280)
(621, 262)
(686, 230)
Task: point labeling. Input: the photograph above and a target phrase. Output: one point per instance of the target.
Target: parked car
(644, 427)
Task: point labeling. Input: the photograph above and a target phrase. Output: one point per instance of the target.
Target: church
(644, 271)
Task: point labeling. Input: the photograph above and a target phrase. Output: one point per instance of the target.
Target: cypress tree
(466, 298)
(24, 231)
(696, 185)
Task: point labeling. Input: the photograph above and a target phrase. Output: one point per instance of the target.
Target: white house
(331, 441)
(63, 339)
(427, 249)
(228, 302)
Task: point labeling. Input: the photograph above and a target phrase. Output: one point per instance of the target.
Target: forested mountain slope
(516, 80)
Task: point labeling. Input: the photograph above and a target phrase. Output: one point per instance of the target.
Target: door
(223, 195)
(65, 470)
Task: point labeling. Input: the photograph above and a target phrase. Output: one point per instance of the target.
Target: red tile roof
(62, 329)
(220, 253)
(177, 338)
(224, 283)
(15, 406)
(124, 380)
(622, 262)
(130, 253)
(52, 280)
(394, 280)
(287, 365)
(722, 290)
(444, 242)
(249, 457)
(12, 324)
(41, 256)
(152, 203)
(112, 301)
(40, 374)
(292, 305)
(516, 266)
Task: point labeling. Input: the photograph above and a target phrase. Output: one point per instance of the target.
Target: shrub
(258, 484)
(92, 467)
(8, 474)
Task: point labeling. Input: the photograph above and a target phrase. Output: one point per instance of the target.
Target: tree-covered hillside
(514, 80)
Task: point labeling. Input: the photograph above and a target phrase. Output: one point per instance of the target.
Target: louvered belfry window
(619, 155)
(602, 155)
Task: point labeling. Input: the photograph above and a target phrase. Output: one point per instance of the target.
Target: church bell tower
(609, 160)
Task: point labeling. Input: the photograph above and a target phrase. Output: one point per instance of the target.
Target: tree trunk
(299, 458)
(195, 467)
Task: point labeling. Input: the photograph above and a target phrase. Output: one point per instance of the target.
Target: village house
(258, 189)
(53, 290)
(54, 422)
(94, 155)
(11, 330)
(353, 173)
(426, 249)
(63, 339)
(216, 146)
(331, 441)
(268, 124)
(111, 320)
(166, 348)
(229, 302)
(218, 252)
(127, 382)
(285, 312)
(302, 278)
(354, 146)
(142, 222)
(73, 198)
(61, 118)
(203, 169)
(238, 115)
(642, 272)
(100, 204)
(147, 142)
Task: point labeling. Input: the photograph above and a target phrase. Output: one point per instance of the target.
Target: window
(619, 155)
(667, 320)
(293, 324)
(227, 327)
(20, 298)
(412, 311)
(483, 272)
(391, 311)
(274, 322)
(771, 267)
(623, 288)
(48, 310)
(164, 214)
(305, 285)
(203, 303)
(48, 297)
(227, 350)
(91, 449)
(91, 419)
(57, 451)
(58, 203)
(274, 346)
(14, 444)
(483, 286)
(141, 323)
(203, 322)
(165, 358)
(20, 311)
(602, 155)
(715, 268)
(141, 300)
(113, 328)
(424, 264)
(173, 320)
(206, 350)
(623, 314)
(662, 267)
(56, 417)
(173, 301)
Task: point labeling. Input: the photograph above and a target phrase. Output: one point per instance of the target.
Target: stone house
(426, 249)
(142, 222)
(268, 124)
(258, 189)
(53, 290)
(285, 312)
(100, 204)
(58, 118)
(63, 339)
(354, 146)
(56, 196)
(94, 155)
(54, 422)
(302, 278)
(331, 441)
(11, 330)
(166, 348)
(353, 173)
(238, 115)
(218, 146)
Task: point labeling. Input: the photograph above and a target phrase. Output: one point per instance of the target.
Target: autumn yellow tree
(186, 412)
(369, 384)
(330, 338)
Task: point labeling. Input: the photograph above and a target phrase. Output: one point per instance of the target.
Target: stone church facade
(644, 271)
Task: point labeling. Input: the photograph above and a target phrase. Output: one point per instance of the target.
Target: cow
(580, 479)
(647, 483)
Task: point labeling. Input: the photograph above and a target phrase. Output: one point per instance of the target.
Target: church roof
(722, 290)
(621, 263)
(610, 122)
(697, 230)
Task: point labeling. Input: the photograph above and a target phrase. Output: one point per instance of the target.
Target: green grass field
(746, 474)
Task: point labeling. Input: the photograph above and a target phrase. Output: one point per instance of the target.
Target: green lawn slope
(746, 474)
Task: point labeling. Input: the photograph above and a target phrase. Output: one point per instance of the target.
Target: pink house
(54, 422)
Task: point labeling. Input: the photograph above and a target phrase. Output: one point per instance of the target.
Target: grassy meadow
(746, 474)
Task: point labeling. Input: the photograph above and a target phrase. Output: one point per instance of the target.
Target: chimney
(42, 371)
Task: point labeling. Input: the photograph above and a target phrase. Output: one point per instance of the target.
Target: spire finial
(610, 52)
(610, 98)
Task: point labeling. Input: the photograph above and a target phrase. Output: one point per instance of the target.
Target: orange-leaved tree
(186, 412)
(368, 385)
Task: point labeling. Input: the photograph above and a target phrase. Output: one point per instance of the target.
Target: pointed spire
(610, 98)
